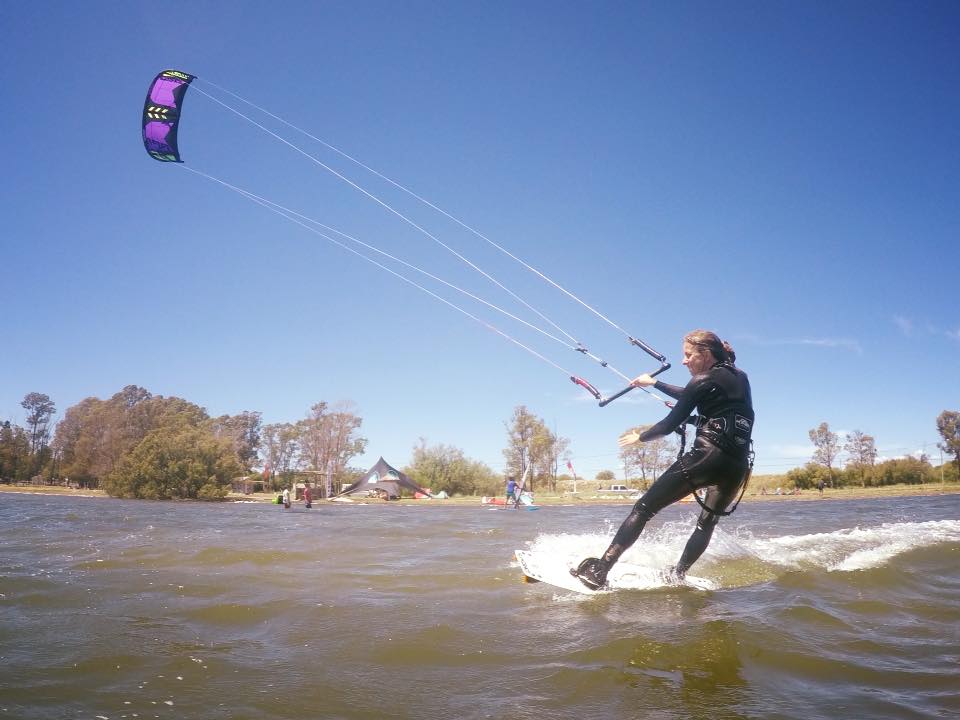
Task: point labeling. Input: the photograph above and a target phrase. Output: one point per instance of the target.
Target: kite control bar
(664, 365)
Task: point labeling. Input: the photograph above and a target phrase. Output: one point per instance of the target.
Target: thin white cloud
(792, 452)
(844, 343)
(825, 342)
(910, 328)
(904, 324)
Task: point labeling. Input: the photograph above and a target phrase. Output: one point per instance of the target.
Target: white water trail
(657, 550)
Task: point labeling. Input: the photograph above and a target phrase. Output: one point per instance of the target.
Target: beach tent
(382, 479)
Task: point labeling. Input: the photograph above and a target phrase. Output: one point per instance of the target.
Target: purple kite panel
(156, 134)
(163, 92)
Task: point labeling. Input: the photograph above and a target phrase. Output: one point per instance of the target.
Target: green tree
(606, 476)
(647, 459)
(280, 449)
(521, 430)
(444, 467)
(948, 425)
(344, 439)
(7, 461)
(808, 476)
(556, 447)
(862, 452)
(243, 431)
(903, 471)
(329, 438)
(78, 441)
(95, 435)
(826, 447)
(40, 410)
(530, 442)
(946, 473)
(14, 453)
(175, 461)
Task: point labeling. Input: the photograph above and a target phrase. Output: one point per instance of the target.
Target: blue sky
(785, 174)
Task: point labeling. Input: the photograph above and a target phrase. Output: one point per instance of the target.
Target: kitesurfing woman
(719, 458)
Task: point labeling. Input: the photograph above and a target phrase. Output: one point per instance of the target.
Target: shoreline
(887, 491)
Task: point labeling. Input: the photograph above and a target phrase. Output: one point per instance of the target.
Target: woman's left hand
(628, 438)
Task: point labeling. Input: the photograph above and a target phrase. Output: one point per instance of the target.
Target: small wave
(220, 556)
(739, 558)
(853, 548)
(238, 614)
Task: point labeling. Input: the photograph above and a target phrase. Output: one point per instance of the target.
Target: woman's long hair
(721, 350)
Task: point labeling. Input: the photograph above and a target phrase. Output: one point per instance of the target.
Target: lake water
(134, 609)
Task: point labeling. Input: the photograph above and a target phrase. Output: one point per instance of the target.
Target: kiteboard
(536, 568)
(525, 502)
(624, 576)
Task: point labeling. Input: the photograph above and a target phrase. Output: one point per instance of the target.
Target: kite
(161, 114)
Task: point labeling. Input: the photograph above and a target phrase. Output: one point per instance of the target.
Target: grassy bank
(752, 495)
(542, 498)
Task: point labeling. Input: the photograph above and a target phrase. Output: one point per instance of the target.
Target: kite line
(160, 124)
(422, 200)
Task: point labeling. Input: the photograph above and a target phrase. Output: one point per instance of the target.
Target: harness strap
(743, 488)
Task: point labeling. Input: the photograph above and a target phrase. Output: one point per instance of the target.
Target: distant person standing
(286, 498)
(307, 498)
(820, 486)
(511, 489)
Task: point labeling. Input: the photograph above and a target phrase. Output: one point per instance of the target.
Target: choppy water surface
(122, 609)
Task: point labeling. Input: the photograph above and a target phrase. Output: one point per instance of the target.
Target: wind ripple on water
(195, 611)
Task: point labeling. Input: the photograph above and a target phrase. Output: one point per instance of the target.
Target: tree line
(136, 444)
(857, 453)
(836, 462)
(25, 452)
(139, 445)
(532, 450)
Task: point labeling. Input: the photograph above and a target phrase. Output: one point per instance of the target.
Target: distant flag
(572, 472)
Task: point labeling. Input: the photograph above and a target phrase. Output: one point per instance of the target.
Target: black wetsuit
(719, 457)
